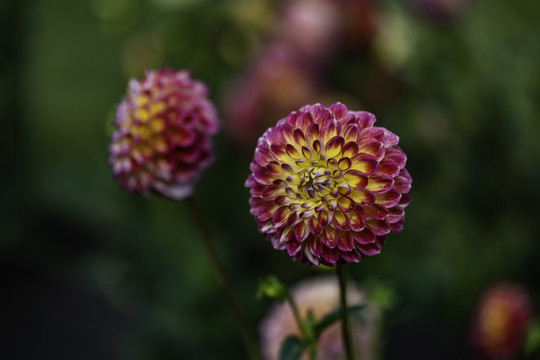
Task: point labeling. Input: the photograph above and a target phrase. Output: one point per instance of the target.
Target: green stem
(345, 330)
(249, 341)
(302, 327)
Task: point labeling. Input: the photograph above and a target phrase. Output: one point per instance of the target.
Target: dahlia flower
(501, 321)
(321, 297)
(328, 186)
(161, 140)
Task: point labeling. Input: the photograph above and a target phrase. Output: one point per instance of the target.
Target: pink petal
(357, 219)
(402, 182)
(376, 212)
(263, 176)
(351, 133)
(341, 221)
(345, 204)
(292, 151)
(396, 227)
(330, 129)
(395, 214)
(330, 256)
(350, 149)
(293, 248)
(346, 242)
(312, 133)
(388, 199)
(351, 256)
(379, 183)
(315, 226)
(299, 137)
(362, 197)
(372, 147)
(365, 119)
(364, 237)
(301, 231)
(333, 146)
(365, 163)
(280, 216)
(388, 167)
(355, 179)
(266, 211)
(315, 245)
(395, 153)
(379, 227)
(329, 237)
(339, 110)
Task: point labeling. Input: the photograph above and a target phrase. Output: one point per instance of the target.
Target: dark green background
(91, 272)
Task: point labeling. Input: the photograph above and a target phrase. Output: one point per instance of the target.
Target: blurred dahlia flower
(321, 296)
(438, 10)
(310, 27)
(161, 141)
(276, 82)
(501, 321)
(328, 186)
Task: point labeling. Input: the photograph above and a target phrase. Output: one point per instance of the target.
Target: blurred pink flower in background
(502, 317)
(289, 70)
(441, 9)
(276, 82)
(161, 140)
(310, 27)
(321, 296)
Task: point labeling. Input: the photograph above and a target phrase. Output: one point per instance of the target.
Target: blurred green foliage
(93, 272)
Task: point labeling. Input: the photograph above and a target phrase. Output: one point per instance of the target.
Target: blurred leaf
(332, 317)
(291, 348)
(310, 325)
(532, 341)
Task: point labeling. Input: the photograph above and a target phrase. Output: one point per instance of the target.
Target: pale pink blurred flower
(321, 296)
(310, 27)
(276, 82)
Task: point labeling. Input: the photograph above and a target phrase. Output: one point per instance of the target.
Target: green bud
(270, 287)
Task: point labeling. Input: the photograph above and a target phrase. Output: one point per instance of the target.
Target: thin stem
(302, 326)
(249, 341)
(345, 330)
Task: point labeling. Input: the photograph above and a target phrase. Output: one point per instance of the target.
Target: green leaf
(291, 348)
(334, 316)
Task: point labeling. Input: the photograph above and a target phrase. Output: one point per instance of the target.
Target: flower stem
(345, 330)
(249, 341)
(302, 327)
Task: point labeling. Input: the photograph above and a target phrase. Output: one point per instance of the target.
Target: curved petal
(355, 179)
(362, 197)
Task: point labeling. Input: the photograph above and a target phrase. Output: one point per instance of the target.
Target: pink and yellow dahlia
(328, 186)
(161, 140)
(503, 316)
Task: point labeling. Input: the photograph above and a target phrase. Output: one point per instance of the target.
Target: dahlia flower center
(316, 182)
